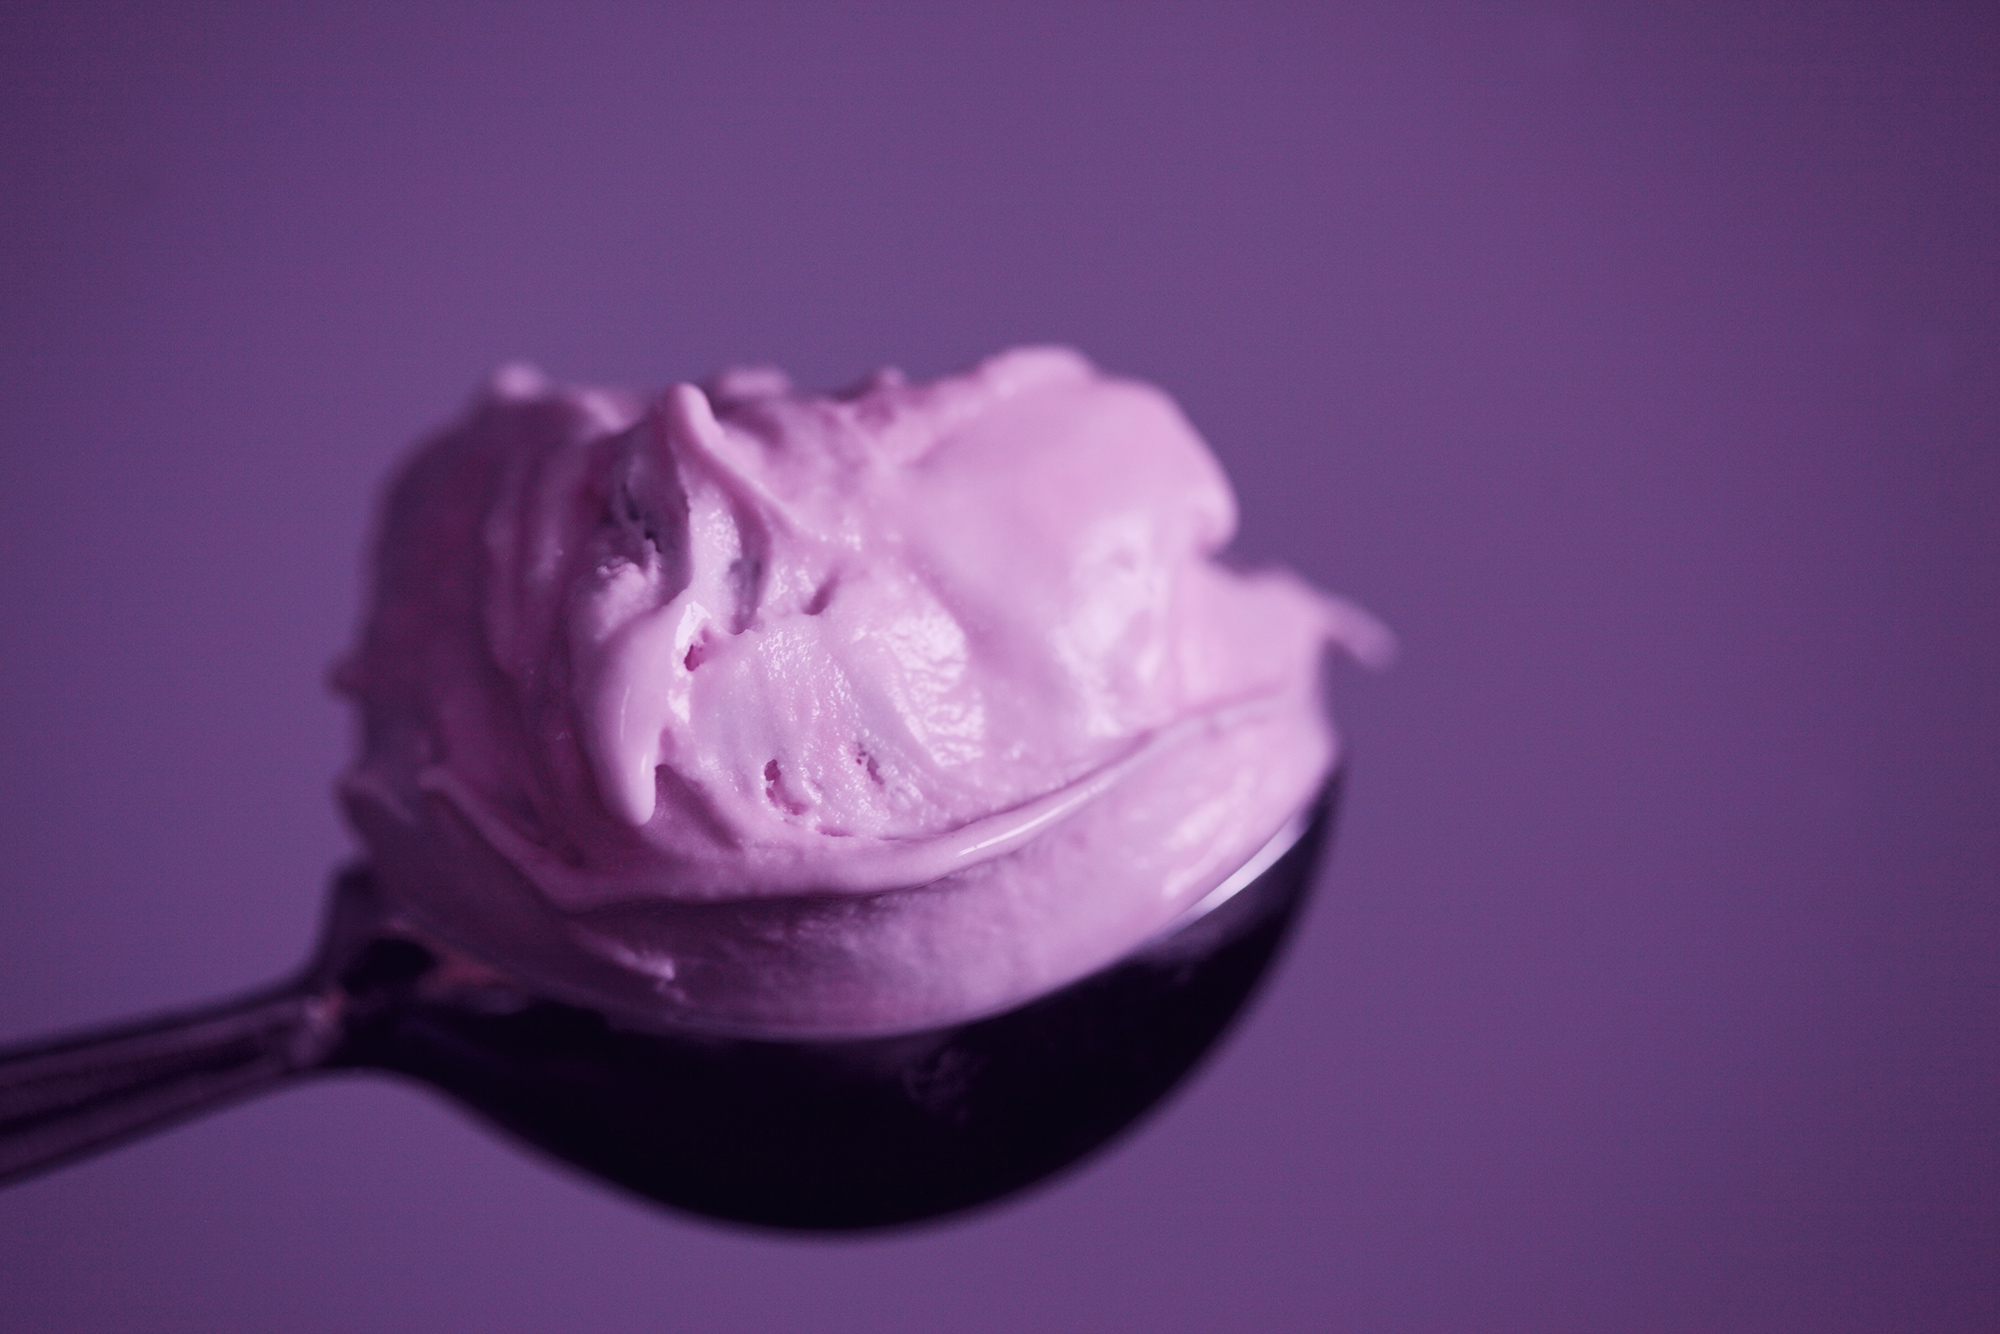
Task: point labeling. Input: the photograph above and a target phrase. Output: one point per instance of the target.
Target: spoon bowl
(813, 1134)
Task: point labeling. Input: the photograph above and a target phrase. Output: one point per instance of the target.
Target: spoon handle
(65, 1098)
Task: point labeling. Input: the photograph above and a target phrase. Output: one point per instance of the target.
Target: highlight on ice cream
(749, 710)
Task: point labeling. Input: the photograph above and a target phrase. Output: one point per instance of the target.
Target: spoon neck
(64, 1098)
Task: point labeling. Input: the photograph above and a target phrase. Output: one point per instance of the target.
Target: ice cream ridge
(754, 711)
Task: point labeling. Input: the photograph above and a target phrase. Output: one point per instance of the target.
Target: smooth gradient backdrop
(1639, 363)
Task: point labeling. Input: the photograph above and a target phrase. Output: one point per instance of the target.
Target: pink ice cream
(755, 711)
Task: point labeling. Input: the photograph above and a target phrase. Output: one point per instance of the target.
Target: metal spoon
(819, 1134)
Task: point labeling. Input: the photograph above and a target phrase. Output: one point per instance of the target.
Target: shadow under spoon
(819, 1134)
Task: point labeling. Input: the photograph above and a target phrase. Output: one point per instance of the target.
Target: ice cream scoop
(815, 811)
(763, 712)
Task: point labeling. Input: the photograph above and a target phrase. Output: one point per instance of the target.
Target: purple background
(1639, 367)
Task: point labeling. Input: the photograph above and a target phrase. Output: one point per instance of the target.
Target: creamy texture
(766, 712)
